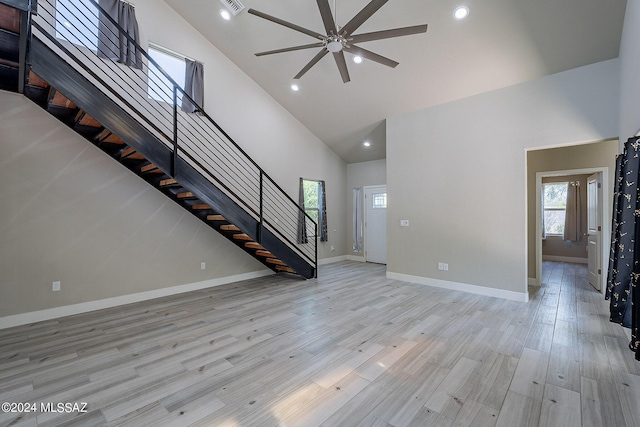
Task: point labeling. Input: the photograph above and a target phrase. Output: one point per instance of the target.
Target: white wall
(360, 175)
(457, 173)
(629, 76)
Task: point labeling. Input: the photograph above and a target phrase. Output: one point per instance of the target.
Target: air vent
(234, 6)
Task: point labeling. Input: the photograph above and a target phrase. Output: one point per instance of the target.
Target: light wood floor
(349, 349)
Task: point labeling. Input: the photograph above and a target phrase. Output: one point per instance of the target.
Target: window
(313, 201)
(379, 201)
(77, 22)
(311, 191)
(160, 88)
(554, 202)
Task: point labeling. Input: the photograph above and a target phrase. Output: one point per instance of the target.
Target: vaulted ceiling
(501, 43)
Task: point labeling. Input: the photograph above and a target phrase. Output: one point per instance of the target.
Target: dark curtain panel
(302, 218)
(112, 43)
(193, 86)
(322, 212)
(573, 213)
(624, 263)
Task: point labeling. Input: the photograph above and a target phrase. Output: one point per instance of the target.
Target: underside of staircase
(28, 66)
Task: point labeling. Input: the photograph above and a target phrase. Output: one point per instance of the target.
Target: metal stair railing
(71, 27)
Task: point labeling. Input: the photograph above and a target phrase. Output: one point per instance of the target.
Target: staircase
(186, 156)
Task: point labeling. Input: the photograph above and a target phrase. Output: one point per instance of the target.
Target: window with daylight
(77, 22)
(380, 201)
(554, 206)
(160, 87)
(313, 200)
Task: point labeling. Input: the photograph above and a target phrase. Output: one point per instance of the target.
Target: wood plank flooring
(350, 348)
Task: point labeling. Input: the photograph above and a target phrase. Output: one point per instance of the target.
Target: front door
(594, 230)
(375, 224)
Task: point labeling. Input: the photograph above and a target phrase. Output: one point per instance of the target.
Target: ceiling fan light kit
(338, 40)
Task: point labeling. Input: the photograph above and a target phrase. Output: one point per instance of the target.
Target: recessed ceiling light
(226, 15)
(357, 59)
(366, 144)
(294, 87)
(461, 12)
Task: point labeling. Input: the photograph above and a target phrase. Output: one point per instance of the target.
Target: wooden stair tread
(201, 207)
(185, 194)
(83, 119)
(107, 136)
(150, 168)
(275, 261)
(37, 81)
(265, 254)
(287, 269)
(131, 153)
(59, 100)
(170, 182)
(10, 19)
(216, 218)
(229, 227)
(241, 236)
(254, 245)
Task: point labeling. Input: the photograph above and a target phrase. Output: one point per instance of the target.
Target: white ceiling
(501, 43)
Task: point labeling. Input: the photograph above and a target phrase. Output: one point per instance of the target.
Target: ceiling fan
(337, 39)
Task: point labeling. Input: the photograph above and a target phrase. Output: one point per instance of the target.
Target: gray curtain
(302, 218)
(193, 86)
(322, 212)
(112, 43)
(357, 219)
(573, 213)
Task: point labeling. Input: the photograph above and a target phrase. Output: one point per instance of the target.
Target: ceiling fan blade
(362, 16)
(367, 54)
(342, 66)
(327, 17)
(287, 24)
(387, 34)
(289, 49)
(311, 63)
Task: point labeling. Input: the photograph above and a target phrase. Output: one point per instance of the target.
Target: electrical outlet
(55, 286)
(443, 266)
(404, 223)
(203, 265)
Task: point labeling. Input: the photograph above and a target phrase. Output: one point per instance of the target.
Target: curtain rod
(172, 52)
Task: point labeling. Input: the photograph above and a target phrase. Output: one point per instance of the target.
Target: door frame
(604, 212)
(364, 216)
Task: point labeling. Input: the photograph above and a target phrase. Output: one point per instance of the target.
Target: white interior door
(375, 224)
(594, 229)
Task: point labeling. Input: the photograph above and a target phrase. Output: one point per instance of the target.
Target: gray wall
(70, 213)
(457, 172)
(361, 175)
(599, 154)
(629, 76)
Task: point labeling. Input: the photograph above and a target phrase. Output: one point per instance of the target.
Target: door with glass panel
(375, 225)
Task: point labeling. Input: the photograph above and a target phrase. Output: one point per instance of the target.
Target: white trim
(355, 258)
(604, 211)
(68, 310)
(463, 287)
(324, 261)
(572, 259)
(532, 281)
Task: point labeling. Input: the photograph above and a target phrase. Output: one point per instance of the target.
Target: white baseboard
(464, 287)
(324, 261)
(355, 258)
(84, 307)
(571, 259)
(532, 281)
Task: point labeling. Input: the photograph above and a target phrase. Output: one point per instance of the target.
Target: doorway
(598, 221)
(375, 224)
